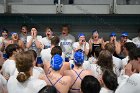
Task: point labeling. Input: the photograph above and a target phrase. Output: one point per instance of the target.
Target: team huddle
(30, 63)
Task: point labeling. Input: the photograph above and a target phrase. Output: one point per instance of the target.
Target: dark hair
(23, 64)
(139, 30)
(110, 47)
(90, 84)
(110, 80)
(48, 89)
(129, 46)
(10, 49)
(56, 50)
(134, 54)
(66, 25)
(97, 51)
(25, 26)
(55, 41)
(4, 29)
(33, 53)
(48, 28)
(105, 60)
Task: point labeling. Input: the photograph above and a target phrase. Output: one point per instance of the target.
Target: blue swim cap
(112, 34)
(13, 33)
(125, 34)
(81, 34)
(79, 57)
(56, 62)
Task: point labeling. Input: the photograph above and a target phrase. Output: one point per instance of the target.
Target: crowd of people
(30, 63)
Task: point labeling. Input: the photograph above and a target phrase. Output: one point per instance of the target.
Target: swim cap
(125, 34)
(79, 57)
(112, 34)
(81, 34)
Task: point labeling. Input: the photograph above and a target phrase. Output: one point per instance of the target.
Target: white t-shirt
(37, 71)
(105, 90)
(3, 84)
(46, 55)
(46, 42)
(8, 68)
(136, 41)
(125, 61)
(130, 85)
(76, 45)
(66, 44)
(32, 85)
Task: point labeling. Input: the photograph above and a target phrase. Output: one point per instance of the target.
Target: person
(24, 33)
(9, 66)
(24, 80)
(46, 41)
(113, 40)
(110, 83)
(82, 44)
(66, 42)
(105, 61)
(136, 40)
(95, 41)
(116, 61)
(54, 78)
(90, 84)
(78, 72)
(48, 89)
(33, 43)
(127, 47)
(46, 53)
(15, 40)
(124, 38)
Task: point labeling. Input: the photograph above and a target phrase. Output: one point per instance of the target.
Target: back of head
(134, 54)
(97, 51)
(79, 57)
(48, 89)
(110, 80)
(55, 41)
(105, 60)
(56, 62)
(110, 47)
(90, 84)
(11, 48)
(33, 53)
(129, 46)
(56, 50)
(24, 64)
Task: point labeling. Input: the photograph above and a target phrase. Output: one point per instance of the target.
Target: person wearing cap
(34, 43)
(53, 76)
(24, 82)
(136, 40)
(15, 40)
(81, 44)
(78, 72)
(46, 41)
(95, 41)
(23, 34)
(66, 42)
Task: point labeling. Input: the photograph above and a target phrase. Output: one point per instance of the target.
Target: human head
(113, 36)
(124, 37)
(65, 30)
(79, 57)
(127, 47)
(34, 56)
(4, 33)
(110, 80)
(97, 51)
(55, 41)
(14, 36)
(56, 50)
(110, 47)
(48, 32)
(24, 65)
(24, 29)
(105, 60)
(81, 37)
(90, 84)
(12, 49)
(34, 30)
(56, 62)
(95, 34)
(48, 89)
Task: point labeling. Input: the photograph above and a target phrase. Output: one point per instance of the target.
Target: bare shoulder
(88, 72)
